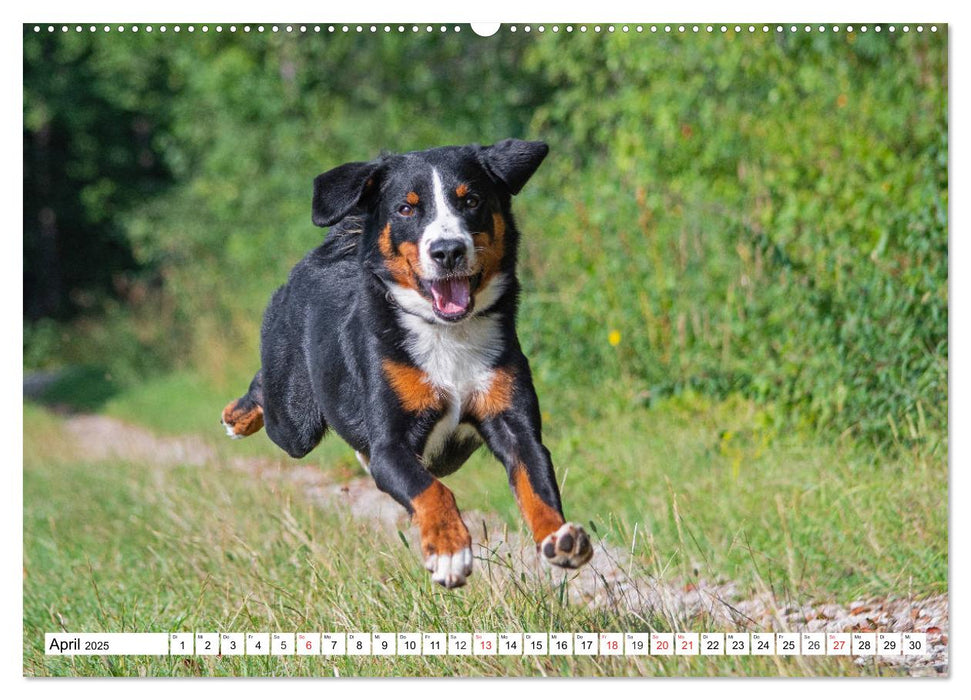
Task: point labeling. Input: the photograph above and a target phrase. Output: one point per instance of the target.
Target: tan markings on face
(462, 190)
(402, 263)
(438, 520)
(412, 387)
(243, 421)
(412, 198)
(490, 248)
(541, 517)
(496, 399)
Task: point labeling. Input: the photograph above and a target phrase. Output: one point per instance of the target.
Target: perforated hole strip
(299, 29)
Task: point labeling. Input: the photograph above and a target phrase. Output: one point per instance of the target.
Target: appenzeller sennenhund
(399, 333)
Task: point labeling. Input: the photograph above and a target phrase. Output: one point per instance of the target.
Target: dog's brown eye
(472, 201)
(406, 210)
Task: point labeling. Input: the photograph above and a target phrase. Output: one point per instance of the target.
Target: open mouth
(452, 296)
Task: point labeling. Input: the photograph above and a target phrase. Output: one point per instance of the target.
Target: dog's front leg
(513, 435)
(445, 542)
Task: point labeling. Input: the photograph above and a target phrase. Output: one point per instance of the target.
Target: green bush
(764, 214)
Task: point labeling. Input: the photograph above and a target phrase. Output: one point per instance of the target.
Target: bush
(764, 214)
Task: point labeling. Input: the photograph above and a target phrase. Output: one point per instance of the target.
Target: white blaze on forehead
(445, 226)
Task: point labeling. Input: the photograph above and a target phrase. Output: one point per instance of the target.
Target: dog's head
(437, 229)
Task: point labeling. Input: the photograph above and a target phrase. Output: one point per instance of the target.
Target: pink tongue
(451, 295)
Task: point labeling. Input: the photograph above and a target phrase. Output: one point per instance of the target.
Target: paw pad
(569, 547)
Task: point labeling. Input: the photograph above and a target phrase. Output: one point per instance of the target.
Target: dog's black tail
(244, 416)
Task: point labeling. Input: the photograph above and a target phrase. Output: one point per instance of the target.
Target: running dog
(399, 333)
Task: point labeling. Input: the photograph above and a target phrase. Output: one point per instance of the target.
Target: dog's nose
(447, 252)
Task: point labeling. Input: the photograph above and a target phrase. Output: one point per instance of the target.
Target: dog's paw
(241, 418)
(445, 541)
(230, 431)
(450, 570)
(568, 547)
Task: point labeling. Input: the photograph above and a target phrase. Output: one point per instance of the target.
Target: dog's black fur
(398, 333)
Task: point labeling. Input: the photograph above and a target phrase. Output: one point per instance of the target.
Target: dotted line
(414, 28)
(259, 29)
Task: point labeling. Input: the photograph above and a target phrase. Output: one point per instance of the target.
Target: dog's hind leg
(244, 416)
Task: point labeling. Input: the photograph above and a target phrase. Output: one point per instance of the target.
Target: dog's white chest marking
(458, 361)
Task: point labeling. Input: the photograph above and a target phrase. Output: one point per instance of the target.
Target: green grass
(712, 490)
(124, 547)
(712, 487)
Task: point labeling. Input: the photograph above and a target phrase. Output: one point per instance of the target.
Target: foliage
(756, 214)
(764, 214)
(89, 117)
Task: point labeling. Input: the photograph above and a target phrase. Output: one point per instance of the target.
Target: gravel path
(609, 581)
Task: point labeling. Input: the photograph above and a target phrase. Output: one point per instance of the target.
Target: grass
(692, 489)
(718, 487)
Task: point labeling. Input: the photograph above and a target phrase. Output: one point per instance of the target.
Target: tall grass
(126, 546)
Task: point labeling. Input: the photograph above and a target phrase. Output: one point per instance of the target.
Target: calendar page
(673, 295)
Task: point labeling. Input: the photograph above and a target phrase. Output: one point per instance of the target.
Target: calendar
(390, 644)
(734, 273)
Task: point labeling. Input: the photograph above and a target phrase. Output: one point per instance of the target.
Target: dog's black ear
(338, 191)
(512, 162)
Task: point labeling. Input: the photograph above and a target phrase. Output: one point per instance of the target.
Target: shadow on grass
(79, 389)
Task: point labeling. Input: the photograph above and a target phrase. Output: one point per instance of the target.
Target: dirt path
(609, 581)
